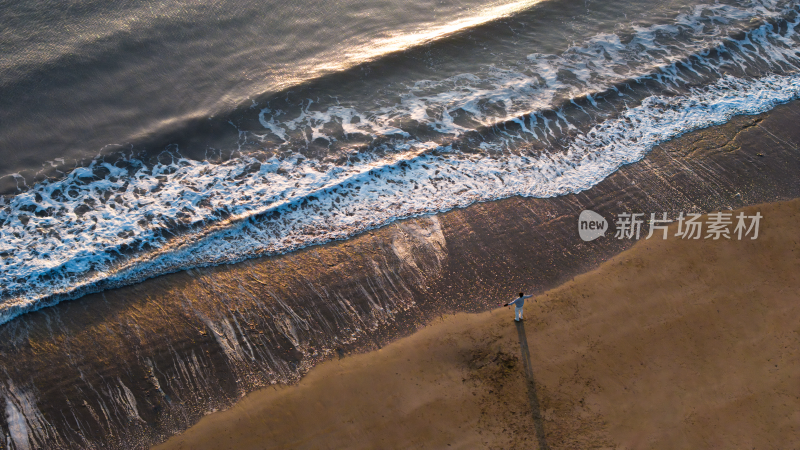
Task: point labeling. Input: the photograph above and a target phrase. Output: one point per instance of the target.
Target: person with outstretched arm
(518, 303)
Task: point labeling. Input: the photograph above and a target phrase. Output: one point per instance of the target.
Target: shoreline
(671, 343)
(130, 367)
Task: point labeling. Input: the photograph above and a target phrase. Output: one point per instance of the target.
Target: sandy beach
(670, 344)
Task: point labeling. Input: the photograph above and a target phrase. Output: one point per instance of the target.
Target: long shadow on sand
(532, 396)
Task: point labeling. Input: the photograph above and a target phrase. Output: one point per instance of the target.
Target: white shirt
(520, 301)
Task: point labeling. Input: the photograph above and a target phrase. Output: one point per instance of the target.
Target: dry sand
(671, 344)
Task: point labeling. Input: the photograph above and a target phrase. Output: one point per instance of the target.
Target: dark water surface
(78, 77)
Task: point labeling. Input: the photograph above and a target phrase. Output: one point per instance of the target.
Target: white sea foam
(61, 239)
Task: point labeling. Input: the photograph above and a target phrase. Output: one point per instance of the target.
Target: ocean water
(140, 139)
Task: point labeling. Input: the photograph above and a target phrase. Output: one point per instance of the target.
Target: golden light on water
(404, 40)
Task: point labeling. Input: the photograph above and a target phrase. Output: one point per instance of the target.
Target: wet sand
(670, 344)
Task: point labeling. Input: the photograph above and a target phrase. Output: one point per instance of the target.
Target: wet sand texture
(671, 344)
(130, 367)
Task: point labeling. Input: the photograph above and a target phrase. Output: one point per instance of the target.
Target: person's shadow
(538, 422)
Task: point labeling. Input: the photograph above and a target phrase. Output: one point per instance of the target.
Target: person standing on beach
(518, 303)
